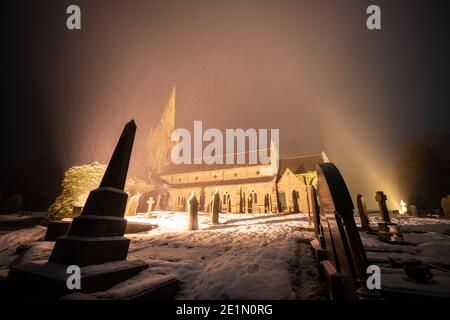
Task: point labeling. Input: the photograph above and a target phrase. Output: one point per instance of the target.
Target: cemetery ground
(246, 256)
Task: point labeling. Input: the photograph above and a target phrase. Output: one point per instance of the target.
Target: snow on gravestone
(95, 240)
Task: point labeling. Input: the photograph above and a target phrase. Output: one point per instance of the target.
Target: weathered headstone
(250, 204)
(150, 203)
(94, 238)
(387, 231)
(215, 208)
(266, 203)
(318, 243)
(241, 201)
(381, 198)
(363, 213)
(295, 198)
(158, 203)
(183, 203)
(413, 211)
(132, 205)
(193, 212)
(445, 204)
(14, 204)
(310, 204)
(345, 268)
(201, 205)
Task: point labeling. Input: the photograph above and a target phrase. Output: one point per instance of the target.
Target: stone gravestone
(413, 210)
(250, 204)
(183, 203)
(318, 243)
(14, 204)
(201, 205)
(344, 270)
(387, 231)
(310, 203)
(241, 201)
(150, 203)
(158, 203)
(266, 203)
(215, 208)
(295, 199)
(192, 212)
(95, 241)
(132, 205)
(445, 204)
(381, 198)
(363, 213)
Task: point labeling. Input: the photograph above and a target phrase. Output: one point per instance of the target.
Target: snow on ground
(412, 224)
(246, 256)
(10, 241)
(428, 238)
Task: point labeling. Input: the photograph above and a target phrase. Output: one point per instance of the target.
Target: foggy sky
(309, 68)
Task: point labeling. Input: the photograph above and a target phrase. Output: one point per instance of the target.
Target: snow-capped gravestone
(363, 213)
(94, 245)
(132, 205)
(192, 212)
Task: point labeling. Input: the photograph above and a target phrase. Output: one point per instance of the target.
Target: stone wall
(290, 182)
(233, 190)
(230, 174)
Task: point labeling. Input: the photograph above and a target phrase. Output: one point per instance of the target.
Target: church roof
(299, 164)
(188, 168)
(295, 164)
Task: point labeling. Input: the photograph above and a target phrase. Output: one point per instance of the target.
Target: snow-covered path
(258, 256)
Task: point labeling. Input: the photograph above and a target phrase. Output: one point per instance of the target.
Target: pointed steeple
(159, 142)
(274, 155)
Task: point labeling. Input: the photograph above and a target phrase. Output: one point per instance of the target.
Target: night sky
(310, 68)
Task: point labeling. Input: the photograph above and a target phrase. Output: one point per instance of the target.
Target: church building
(245, 188)
(280, 186)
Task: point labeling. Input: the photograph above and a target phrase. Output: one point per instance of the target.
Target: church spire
(159, 142)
